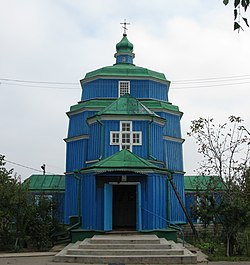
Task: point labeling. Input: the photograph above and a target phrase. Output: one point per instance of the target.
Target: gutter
(101, 138)
(149, 140)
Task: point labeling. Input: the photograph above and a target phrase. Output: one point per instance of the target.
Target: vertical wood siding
(70, 206)
(78, 124)
(88, 200)
(176, 212)
(108, 88)
(101, 88)
(154, 207)
(172, 126)
(156, 146)
(76, 155)
(94, 141)
(173, 155)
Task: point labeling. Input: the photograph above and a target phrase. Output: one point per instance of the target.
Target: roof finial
(124, 27)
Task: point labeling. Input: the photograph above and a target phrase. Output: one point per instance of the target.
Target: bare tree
(226, 154)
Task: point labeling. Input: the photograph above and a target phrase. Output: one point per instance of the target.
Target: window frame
(130, 136)
(119, 88)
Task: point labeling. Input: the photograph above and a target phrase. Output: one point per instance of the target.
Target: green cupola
(124, 51)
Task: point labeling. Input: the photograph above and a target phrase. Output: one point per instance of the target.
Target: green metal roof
(156, 104)
(201, 183)
(46, 183)
(123, 160)
(125, 70)
(103, 103)
(127, 105)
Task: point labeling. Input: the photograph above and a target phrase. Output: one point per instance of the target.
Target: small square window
(125, 138)
(115, 138)
(124, 88)
(126, 126)
(136, 138)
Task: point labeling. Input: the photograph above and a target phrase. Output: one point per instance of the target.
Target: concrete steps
(126, 249)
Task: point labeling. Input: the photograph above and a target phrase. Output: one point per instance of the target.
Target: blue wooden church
(124, 148)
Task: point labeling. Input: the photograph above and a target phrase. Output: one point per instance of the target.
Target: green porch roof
(46, 183)
(103, 103)
(126, 71)
(123, 160)
(201, 183)
(127, 105)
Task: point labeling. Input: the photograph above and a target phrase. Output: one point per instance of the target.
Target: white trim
(119, 87)
(151, 78)
(130, 124)
(76, 138)
(140, 138)
(130, 134)
(158, 120)
(173, 139)
(123, 183)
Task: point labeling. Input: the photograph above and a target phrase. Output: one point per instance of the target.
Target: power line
(31, 168)
(214, 85)
(178, 84)
(38, 82)
(50, 87)
(213, 79)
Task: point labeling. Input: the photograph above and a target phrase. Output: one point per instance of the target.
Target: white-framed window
(124, 88)
(125, 138)
(136, 138)
(115, 138)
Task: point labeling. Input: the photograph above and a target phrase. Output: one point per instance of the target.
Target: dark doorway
(124, 207)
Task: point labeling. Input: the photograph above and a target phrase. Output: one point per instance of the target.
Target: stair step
(137, 259)
(124, 252)
(126, 249)
(84, 245)
(123, 239)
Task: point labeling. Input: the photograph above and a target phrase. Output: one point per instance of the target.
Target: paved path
(46, 259)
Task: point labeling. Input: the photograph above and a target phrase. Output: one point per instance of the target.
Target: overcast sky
(62, 40)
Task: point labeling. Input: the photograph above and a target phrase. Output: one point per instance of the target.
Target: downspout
(149, 140)
(168, 199)
(170, 177)
(79, 201)
(101, 138)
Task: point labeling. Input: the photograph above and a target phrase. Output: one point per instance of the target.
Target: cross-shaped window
(126, 138)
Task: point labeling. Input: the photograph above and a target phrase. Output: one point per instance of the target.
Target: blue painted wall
(76, 155)
(78, 125)
(176, 213)
(71, 201)
(172, 126)
(173, 156)
(154, 203)
(108, 88)
(158, 201)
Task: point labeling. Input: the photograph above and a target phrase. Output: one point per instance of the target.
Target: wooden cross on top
(124, 27)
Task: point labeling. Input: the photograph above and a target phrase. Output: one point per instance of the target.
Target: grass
(216, 251)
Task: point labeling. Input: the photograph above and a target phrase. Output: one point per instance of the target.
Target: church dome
(124, 45)
(124, 51)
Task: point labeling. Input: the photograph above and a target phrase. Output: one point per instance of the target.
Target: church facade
(124, 146)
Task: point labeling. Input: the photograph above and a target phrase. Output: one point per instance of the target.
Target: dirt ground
(48, 260)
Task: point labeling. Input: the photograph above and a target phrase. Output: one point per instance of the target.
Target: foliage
(24, 218)
(42, 223)
(13, 207)
(238, 6)
(226, 155)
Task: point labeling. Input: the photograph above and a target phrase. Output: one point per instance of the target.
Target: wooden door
(124, 206)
